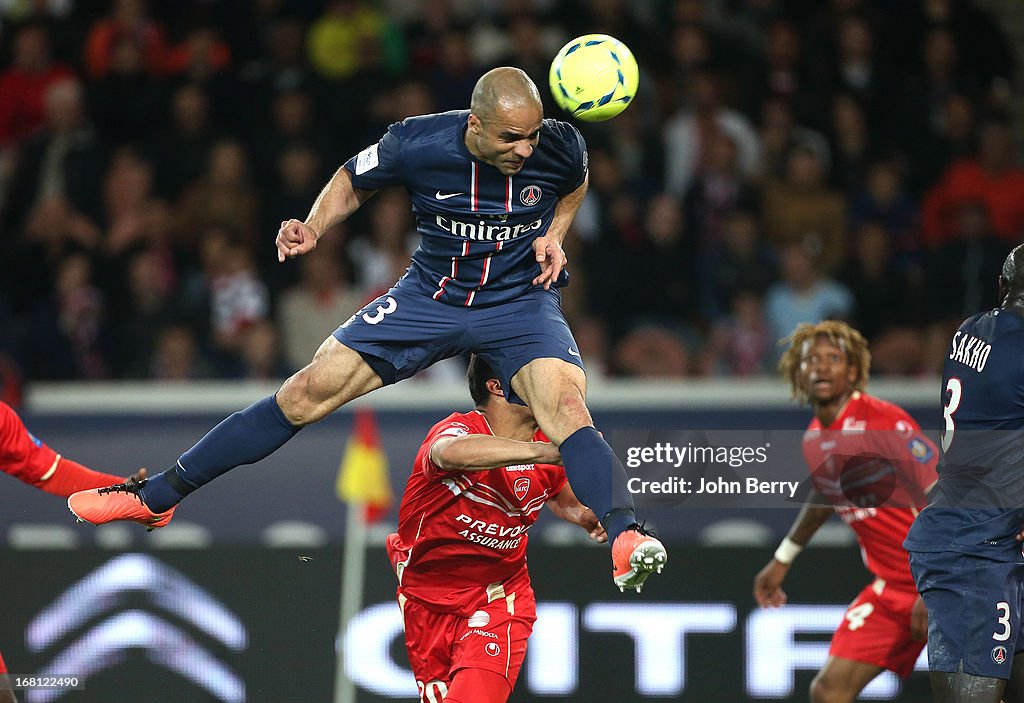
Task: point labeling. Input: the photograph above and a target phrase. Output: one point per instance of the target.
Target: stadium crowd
(784, 161)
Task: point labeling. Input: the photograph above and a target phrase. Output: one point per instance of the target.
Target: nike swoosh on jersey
(574, 352)
(444, 196)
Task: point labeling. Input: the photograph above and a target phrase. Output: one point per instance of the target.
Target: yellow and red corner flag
(363, 473)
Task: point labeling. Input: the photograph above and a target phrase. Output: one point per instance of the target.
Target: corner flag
(363, 472)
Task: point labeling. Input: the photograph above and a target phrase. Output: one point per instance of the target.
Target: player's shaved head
(503, 89)
(1011, 280)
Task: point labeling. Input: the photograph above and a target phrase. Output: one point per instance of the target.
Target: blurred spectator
(652, 351)
(146, 308)
(323, 299)
(857, 70)
(805, 293)
(261, 357)
(740, 261)
(889, 301)
(657, 267)
(952, 138)
(222, 197)
(383, 256)
(24, 86)
(851, 140)
(741, 342)
(719, 188)
(68, 338)
(783, 77)
(127, 189)
(980, 41)
(237, 297)
(779, 133)
(964, 269)
(182, 150)
(282, 66)
(688, 135)
(992, 178)
(125, 101)
(64, 160)
(177, 356)
(340, 36)
(127, 18)
(452, 77)
(591, 337)
(803, 209)
(292, 124)
(884, 200)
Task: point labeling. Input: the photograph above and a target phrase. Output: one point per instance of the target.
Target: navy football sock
(242, 438)
(598, 479)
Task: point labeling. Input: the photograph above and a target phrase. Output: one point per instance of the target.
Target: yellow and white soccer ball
(594, 77)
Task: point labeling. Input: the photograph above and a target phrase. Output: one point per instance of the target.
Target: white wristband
(787, 551)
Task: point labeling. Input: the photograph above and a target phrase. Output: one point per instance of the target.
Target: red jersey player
(26, 458)
(871, 464)
(478, 484)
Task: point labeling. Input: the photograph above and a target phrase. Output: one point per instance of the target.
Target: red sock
(478, 686)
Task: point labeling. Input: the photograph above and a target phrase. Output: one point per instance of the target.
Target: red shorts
(493, 638)
(876, 630)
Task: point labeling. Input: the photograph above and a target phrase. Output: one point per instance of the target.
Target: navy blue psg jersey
(476, 224)
(977, 506)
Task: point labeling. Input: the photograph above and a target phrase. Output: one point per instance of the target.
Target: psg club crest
(999, 654)
(530, 195)
(521, 487)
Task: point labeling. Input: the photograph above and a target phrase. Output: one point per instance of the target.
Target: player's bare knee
(824, 690)
(302, 398)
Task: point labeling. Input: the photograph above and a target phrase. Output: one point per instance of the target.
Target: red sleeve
(913, 454)
(22, 455)
(450, 427)
(71, 477)
(29, 460)
(3, 666)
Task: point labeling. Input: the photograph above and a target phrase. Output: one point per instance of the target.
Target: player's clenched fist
(294, 238)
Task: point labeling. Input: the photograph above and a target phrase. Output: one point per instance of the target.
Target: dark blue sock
(242, 438)
(598, 479)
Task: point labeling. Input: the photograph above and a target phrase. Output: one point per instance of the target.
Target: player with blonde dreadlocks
(871, 464)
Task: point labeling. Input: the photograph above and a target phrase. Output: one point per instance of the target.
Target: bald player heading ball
(494, 189)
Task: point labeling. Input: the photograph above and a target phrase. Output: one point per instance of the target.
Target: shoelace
(132, 486)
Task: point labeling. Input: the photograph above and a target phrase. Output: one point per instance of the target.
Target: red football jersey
(462, 531)
(875, 465)
(22, 455)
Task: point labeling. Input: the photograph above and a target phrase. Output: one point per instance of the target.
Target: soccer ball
(594, 77)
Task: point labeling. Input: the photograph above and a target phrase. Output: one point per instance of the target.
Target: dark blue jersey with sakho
(476, 224)
(977, 505)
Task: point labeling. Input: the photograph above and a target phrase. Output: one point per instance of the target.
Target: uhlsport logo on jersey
(492, 649)
(521, 487)
(530, 195)
(999, 654)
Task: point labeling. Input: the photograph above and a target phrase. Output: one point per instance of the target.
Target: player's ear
(494, 387)
(474, 124)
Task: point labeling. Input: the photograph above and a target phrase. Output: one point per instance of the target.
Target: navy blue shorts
(408, 331)
(974, 611)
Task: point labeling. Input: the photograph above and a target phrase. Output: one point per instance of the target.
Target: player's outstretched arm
(568, 507)
(336, 202)
(768, 583)
(548, 248)
(479, 452)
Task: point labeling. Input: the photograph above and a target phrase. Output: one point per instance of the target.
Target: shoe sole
(647, 559)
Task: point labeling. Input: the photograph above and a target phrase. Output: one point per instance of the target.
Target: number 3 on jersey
(954, 391)
(389, 306)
